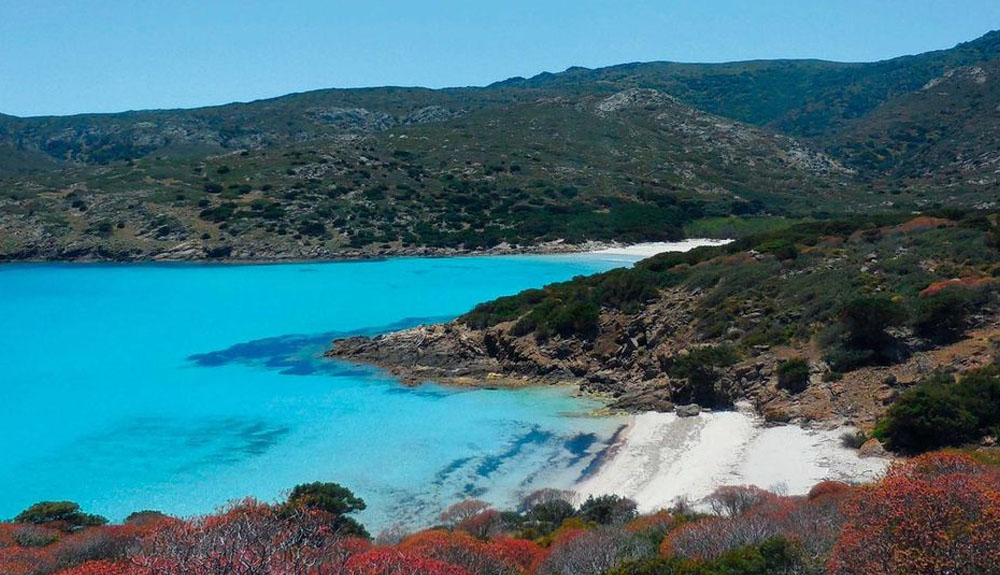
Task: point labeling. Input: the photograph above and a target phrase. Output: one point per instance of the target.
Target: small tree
(333, 499)
(942, 317)
(462, 511)
(65, 514)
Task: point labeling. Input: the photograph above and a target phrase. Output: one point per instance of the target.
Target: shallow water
(179, 387)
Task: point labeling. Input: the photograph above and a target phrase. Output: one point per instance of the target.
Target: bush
(943, 317)
(333, 499)
(699, 369)
(937, 513)
(66, 514)
(867, 318)
(843, 359)
(793, 374)
(608, 510)
(939, 412)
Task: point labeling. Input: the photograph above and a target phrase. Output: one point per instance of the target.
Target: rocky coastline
(625, 365)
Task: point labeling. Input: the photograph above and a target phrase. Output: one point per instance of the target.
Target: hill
(628, 152)
(820, 321)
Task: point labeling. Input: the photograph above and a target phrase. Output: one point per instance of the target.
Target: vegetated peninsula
(646, 151)
(840, 320)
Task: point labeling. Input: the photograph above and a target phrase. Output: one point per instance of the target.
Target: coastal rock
(690, 410)
(872, 448)
(775, 414)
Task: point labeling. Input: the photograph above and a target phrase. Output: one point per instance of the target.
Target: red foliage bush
(497, 557)
(813, 522)
(482, 525)
(393, 561)
(938, 513)
(100, 567)
(661, 520)
(733, 500)
(828, 488)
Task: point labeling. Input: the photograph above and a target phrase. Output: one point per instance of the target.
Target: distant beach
(648, 249)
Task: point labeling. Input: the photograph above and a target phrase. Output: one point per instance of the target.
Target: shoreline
(660, 459)
(556, 248)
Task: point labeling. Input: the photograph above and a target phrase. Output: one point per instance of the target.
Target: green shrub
(699, 370)
(943, 317)
(793, 375)
(940, 413)
(65, 512)
(782, 249)
(777, 555)
(843, 359)
(333, 499)
(868, 317)
(608, 510)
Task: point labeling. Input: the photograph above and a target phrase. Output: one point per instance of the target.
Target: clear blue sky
(69, 56)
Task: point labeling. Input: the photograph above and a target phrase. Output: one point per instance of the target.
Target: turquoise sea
(179, 387)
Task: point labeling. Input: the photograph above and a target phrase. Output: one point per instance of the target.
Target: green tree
(608, 509)
(333, 499)
(66, 513)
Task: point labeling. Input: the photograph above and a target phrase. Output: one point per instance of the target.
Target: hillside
(825, 321)
(945, 133)
(629, 152)
(634, 165)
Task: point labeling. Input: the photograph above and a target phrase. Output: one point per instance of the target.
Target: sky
(74, 56)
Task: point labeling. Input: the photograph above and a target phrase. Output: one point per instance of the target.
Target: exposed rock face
(634, 98)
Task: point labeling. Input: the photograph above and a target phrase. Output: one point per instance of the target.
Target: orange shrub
(939, 513)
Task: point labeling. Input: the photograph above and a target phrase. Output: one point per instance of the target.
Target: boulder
(872, 448)
(690, 410)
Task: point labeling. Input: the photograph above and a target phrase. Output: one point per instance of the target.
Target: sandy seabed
(662, 458)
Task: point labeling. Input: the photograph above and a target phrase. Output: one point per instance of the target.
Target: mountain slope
(634, 165)
(628, 153)
(946, 133)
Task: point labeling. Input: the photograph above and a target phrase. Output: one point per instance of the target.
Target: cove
(180, 387)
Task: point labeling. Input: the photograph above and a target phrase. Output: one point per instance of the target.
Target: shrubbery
(699, 372)
(793, 374)
(936, 513)
(939, 412)
(942, 317)
(63, 514)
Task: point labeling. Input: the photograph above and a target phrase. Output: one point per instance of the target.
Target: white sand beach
(663, 457)
(646, 250)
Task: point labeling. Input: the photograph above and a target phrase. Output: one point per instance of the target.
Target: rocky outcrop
(627, 364)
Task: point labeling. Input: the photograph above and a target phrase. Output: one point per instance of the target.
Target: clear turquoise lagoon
(180, 387)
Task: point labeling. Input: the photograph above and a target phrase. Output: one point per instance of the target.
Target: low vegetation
(936, 513)
(856, 285)
(942, 412)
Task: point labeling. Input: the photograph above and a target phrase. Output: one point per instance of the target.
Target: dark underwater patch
(168, 447)
(490, 463)
(299, 354)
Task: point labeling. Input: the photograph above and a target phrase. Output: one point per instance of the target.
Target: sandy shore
(646, 250)
(662, 458)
